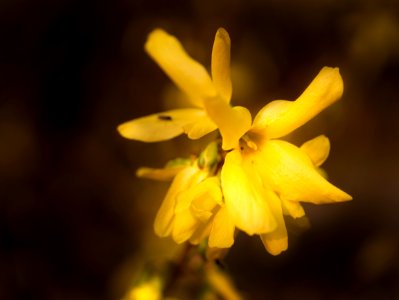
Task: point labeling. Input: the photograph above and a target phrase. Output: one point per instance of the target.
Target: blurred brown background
(74, 220)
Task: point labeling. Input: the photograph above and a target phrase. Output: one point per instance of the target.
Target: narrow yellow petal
(201, 198)
(317, 149)
(201, 233)
(222, 232)
(197, 188)
(269, 114)
(293, 176)
(166, 125)
(165, 174)
(286, 116)
(175, 216)
(233, 122)
(207, 196)
(184, 225)
(183, 200)
(246, 199)
(188, 74)
(276, 241)
(164, 219)
(200, 190)
(292, 208)
(221, 64)
(199, 127)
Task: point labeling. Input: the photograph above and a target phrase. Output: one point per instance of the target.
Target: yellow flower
(147, 290)
(193, 208)
(263, 178)
(193, 79)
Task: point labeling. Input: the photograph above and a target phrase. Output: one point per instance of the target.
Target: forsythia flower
(193, 208)
(192, 78)
(263, 178)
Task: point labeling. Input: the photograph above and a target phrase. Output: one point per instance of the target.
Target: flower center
(246, 142)
(251, 141)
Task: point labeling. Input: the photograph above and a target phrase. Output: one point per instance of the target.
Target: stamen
(250, 143)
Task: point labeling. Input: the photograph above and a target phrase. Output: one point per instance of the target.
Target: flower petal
(270, 114)
(246, 199)
(233, 122)
(201, 233)
(293, 176)
(199, 127)
(188, 74)
(281, 117)
(201, 198)
(292, 208)
(185, 224)
(317, 149)
(166, 125)
(222, 232)
(276, 241)
(164, 219)
(221, 64)
(165, 174)
(206, 198)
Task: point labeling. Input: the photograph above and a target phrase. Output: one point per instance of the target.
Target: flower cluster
(247, 180)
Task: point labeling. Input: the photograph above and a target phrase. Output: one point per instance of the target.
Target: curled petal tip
(222, 33)
(346, 197)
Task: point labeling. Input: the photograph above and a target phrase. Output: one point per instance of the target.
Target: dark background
(74, 220)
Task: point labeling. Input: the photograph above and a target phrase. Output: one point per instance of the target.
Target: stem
(177, 268)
